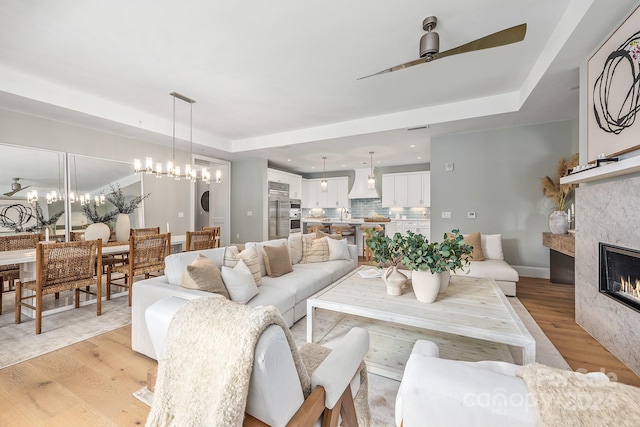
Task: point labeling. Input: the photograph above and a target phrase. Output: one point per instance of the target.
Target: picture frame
(613, 100)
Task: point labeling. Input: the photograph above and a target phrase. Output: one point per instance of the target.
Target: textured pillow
(338, 249)
(250, 258)
(204, 275)
(259, 245)
(276, 259)
(314, 250)
(320, 234)
(239, 282)
(492, 246)
(475, 240)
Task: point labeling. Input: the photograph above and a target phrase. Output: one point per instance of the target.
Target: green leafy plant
(454, 252)
(90, 210)
(420, 254)
(385, 249)
(41, 221)
(117, 199)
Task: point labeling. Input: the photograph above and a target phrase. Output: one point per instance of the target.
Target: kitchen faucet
(343, 210)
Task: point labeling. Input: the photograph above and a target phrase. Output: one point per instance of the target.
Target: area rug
(382, 390)
(20, 342)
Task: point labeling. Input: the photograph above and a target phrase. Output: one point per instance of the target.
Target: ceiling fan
(430, 44)
(15, 187)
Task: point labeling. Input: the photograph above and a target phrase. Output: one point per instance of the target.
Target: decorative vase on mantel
(394, 280)
(123, 226)
(426, 285)
(559, 222)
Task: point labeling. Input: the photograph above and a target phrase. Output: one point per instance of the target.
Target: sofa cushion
(338, 249)
(304, 281)
(314, 250)
(203, 274)
(492, 246)
(258, 246)
(175, 264)
(295, 246)
(492, 269)
(475, 240)
(280, 297)
(250, 258)
(277, 260)
(239, 282)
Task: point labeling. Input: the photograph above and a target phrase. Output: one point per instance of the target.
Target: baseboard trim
(537, 272)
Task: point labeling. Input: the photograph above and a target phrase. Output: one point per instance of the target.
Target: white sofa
(494, 266)
(288, 293)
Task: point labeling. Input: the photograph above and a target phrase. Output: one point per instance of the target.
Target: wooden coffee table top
(471, 307)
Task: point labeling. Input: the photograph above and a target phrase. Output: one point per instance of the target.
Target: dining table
(26, 259)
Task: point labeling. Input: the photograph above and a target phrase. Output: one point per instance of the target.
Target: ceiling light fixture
(371, 181)
(323, 183)
(190, 171)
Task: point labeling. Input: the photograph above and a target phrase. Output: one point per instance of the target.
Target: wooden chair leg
(1, 292)
(18, 296)
(108, 283)
(77, 302)
(38, 311)
(99, 296)
(57, 294)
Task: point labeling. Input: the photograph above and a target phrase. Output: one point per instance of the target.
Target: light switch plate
(446, 215)
(471, 215)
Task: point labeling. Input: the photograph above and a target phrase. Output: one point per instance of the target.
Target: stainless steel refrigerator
(279, 206)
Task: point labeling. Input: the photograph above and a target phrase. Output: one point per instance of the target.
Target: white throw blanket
(204, 373)
(563, 398)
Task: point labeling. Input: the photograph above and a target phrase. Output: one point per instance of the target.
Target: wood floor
(91, 383)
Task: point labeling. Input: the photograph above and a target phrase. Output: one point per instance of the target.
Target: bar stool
(367, 233)
(346, 231)
(312, 228)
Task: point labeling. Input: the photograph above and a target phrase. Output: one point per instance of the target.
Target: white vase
(123, 226)
(426, 285)
(559, 222)
(394, 280)
(97, 231)
(445, 278)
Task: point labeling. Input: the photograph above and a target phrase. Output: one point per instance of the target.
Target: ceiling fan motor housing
(429, 44)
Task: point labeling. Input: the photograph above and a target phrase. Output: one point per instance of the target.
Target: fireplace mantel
(611, 170)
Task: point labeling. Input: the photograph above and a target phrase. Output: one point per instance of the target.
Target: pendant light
(371, 181)
(323, 183)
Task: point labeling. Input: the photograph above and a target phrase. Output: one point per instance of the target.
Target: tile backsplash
(366, 208)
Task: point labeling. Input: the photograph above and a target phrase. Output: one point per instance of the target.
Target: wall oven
(295, 216)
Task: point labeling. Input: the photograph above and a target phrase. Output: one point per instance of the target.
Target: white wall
(496, 174)
(249, 195)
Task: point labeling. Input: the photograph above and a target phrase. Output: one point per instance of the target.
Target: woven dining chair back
(144, 231)
(199, 240)
(62, 267)
(216, 235)
(11, 272)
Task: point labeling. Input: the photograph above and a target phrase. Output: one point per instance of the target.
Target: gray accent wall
(249, 201)
(496, 175)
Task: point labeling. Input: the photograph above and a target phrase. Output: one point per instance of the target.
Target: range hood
(360, 189)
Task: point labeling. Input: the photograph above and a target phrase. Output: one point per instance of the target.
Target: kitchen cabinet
(334, 197)
(411, 189)
(394, 190)
(294, 181)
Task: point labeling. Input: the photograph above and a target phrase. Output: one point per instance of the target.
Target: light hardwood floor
(91, 383)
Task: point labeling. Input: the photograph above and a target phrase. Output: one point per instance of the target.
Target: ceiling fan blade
(11, 193)
(501, 38)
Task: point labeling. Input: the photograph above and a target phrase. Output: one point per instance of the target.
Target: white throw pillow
(338, 249)
(295, 246)
(239, 282)
(492, 246)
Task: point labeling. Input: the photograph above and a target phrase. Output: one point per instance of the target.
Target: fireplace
(620, 274)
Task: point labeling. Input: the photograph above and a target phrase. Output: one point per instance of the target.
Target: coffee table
(472, 313)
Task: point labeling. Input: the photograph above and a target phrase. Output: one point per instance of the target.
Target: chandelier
(323, 183)
(172, 170)
(371, 181)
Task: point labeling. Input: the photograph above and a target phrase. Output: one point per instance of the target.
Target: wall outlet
(249, 213)
(446, 215)
(448, 167)
(180, 214)
(238, 236)
(471, 215)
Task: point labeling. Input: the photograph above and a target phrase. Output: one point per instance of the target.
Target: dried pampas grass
(552, 189)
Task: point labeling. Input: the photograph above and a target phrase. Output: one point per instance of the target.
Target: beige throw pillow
(250, 258)
(277, 260)
(203, 274)
(474, 239)
(314, 250)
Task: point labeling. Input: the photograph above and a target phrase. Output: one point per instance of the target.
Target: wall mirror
(91, 179)
(32, 191)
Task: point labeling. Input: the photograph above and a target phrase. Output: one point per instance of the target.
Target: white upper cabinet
(294, 181)
(334, 197)
(411, 189)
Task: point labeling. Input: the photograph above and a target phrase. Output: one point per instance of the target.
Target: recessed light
(344, 166)
(313, 167)
(412, 146)
(378, 161)
(288, 160)
(419, 158)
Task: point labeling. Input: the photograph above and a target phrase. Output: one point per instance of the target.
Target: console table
(561, 257)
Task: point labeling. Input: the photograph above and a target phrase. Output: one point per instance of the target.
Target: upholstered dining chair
(62, 267)
(146, 255)
(198, 240)
(11, 272)
(216, 234)
(144, 231)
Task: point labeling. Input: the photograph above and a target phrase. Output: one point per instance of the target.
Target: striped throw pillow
(314, 250)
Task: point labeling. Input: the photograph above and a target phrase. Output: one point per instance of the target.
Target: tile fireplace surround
(607, 211)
